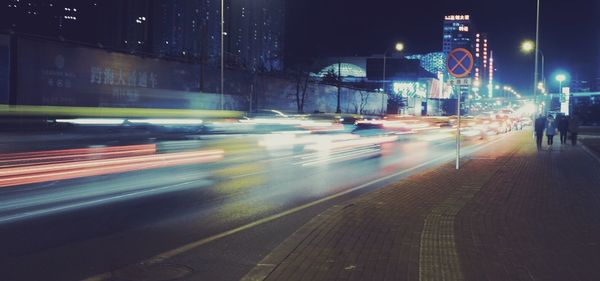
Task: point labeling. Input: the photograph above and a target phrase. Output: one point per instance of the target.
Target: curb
(590, 152)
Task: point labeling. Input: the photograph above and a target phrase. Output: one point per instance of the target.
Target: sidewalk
(511, 213)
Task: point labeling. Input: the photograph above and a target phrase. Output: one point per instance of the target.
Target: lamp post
(399, 47)
(527, 47)
(560, 78)
(537, 44)
(222, 54)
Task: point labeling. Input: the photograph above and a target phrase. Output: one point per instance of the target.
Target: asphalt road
(75, 228)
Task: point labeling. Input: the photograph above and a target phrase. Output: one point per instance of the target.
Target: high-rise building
(255, 31)
(66, 19)
(188, 28)
(130, 27)
(458, 33)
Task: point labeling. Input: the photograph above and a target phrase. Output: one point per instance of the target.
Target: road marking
(186, 248)
(248, 175)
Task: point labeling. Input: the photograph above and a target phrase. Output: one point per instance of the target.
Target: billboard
(53, 73)
(4, 69)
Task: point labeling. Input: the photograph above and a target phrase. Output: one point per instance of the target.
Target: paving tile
(511, 213)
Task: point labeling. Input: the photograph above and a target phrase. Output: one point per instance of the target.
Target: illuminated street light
(560, 78)
(399, 47)
(222, 56)
(527, 46)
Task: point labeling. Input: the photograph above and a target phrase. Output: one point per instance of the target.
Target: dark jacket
(574, 125)
(540, 125)
(563, 124)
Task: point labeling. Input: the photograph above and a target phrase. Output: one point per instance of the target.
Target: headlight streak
(61, 171)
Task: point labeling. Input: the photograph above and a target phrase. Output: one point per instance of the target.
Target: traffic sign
(460, 82)
(460, 63)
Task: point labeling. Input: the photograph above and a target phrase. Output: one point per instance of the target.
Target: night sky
(569, 39)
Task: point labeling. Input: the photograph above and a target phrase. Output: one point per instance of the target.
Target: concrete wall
(270, 92)
(281, 94)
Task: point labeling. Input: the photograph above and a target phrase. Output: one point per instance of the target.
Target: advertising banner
(52, 73)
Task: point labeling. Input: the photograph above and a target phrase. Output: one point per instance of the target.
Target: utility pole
(222, 54)
(383, 110)
(339, 85)
(537, 43)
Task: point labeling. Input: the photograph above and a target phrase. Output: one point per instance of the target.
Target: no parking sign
(460, 63)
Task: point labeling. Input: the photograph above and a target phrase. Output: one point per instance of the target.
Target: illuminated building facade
(458, 33)
(484, 66)
(432, 62)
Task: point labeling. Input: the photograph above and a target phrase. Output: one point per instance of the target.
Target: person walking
(574, 128)
(563, 128)
(539, 126)
(550, 130)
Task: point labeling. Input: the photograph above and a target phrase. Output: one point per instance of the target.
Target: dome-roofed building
(345, 70)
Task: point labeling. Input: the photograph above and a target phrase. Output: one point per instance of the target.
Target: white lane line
(248, 175)
(47, 211)
(186, 248)
(349, 155)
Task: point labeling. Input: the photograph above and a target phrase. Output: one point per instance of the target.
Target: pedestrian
(563, 128)
(574, 128)
(540, 125)
(550, 130)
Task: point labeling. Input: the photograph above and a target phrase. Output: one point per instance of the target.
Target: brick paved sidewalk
(511, 213)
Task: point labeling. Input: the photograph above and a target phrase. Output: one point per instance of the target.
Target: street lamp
(527, 47)
(560, 78)
(222, 54)
(399, 47)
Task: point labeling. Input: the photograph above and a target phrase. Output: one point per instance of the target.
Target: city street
(119, 218)
(299, 140)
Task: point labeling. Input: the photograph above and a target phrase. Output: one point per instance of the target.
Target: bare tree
(302, 78)
(364, 100)
(332, 78)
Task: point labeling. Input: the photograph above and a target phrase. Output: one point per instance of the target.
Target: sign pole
(459, 64)
(458, 130)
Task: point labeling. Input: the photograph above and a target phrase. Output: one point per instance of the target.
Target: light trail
(61, 171)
